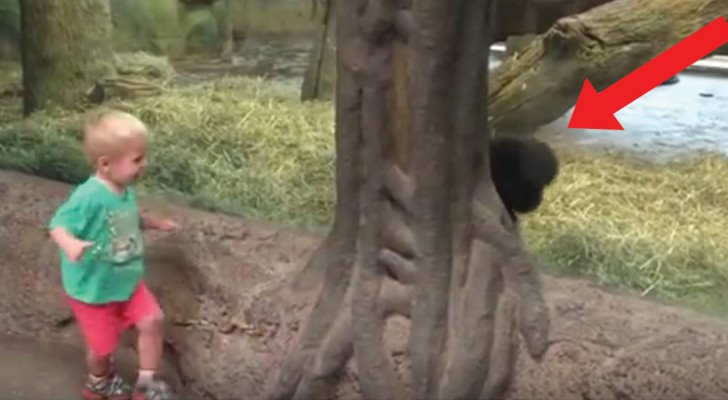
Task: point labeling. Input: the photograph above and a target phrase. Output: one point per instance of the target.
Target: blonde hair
(109, 133)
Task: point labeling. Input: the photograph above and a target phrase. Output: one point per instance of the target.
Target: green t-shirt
(113, 266)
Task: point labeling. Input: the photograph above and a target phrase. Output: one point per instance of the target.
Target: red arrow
(596, 110)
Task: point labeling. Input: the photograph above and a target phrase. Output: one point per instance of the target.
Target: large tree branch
(542, 82)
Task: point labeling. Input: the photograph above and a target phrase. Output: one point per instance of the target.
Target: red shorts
(103, 324)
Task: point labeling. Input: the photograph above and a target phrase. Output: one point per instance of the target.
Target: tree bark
(225, 24)
(320, 76)
(66, 48)
(542, 82)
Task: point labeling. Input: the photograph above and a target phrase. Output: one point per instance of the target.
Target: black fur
(520, 170)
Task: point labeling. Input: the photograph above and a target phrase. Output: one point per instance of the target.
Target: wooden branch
(470, 353)
(533, 314)
(396, 234)
(337, 347)
(338, 274)
(402, 269)
(395, 298)
(400, 187)
(336, 350)
(505, 350)
(489, 229)
(519, 271)
(542, 82)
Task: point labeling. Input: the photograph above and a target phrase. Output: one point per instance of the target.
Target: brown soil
(232, 315)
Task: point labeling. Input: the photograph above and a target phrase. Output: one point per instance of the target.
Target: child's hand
(156, 223)
(75, 248)
(166, 225)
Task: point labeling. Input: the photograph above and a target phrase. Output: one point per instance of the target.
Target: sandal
(111, 387)
(156, 390)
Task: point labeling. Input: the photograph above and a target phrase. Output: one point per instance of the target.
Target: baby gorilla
(520, 169)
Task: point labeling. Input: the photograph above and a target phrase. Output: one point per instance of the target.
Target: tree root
(398, 267)
(335, 258)
(400, 187)
(520, 273)
(470, 349)
(395, 232)
(337, 346)
(504, 350)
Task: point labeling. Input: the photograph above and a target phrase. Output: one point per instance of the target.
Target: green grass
(238, 145)
(249, 147)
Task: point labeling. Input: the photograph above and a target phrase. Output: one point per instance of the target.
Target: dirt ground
(231, 317)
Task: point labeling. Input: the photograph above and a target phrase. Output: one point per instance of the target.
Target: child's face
(127, 167)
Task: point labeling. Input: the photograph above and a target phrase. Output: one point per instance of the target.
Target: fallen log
(542, 82)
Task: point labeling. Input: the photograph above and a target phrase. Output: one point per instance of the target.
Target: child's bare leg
(98, 367)
(143, 311)
(150, 342)
(102, 382)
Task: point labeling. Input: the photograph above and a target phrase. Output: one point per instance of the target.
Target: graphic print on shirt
(125, 242)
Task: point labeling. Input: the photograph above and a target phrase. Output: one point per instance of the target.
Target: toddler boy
(98, 230)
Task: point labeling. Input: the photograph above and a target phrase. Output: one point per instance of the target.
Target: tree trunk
(66, 48)
(543, 81)
(225, 24)
(320, 76)
(453, 264)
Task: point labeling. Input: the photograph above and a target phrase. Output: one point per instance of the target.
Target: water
(671, 120)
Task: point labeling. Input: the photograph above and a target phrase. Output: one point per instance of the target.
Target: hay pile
(660, 230)
(250, 147)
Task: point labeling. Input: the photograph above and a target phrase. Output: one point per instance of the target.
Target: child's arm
(72, 246)
(62, 237)
(68, 223)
